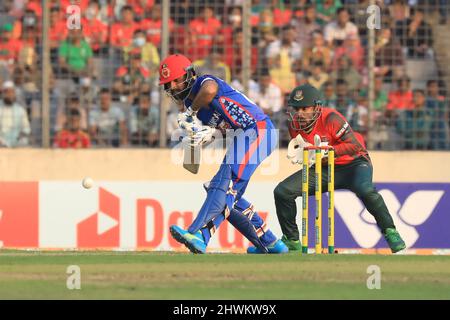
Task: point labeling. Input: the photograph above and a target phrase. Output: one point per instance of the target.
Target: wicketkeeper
(353, 167)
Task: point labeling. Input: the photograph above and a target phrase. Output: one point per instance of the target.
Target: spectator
(257, 8)
(282, 12)
(286, 45)
(265, 39)
(344, 102)
(326, 10)
(107, 123)
(399, 11)
(438, 109)
(58, 31)
(182, 11)
(306, 26)
(415, 34)
(122, 32)
(71, 103)
(337, 31)
(357, 115)
(233, 54)
(202, 31)
(148, 52)
(402, 98)
(388, 56)
(213, 64)
(269, 97)
(283, 59)
(95, 31)
(234, 23)
(380, 101)
(75, 55)
(318, 52)
(35, 6)
(133, 74)
(9, 47)
(140, 7)
(152, 25)
(346, 71)
(14, 124)
(30, 38)
(9, 14)
(351, 48)
(414, 124)
(329, 97)
(433, 91)
(144, 122)
(318, 76)
(72, 136)
(265, 21)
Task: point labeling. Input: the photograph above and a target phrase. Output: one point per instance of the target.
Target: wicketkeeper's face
(306, 115)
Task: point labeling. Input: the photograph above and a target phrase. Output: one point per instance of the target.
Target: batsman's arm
(205, 95)
(346, 141)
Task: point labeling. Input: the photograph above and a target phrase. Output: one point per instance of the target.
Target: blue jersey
(229, 108)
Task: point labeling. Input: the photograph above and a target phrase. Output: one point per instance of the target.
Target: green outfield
(158, 275)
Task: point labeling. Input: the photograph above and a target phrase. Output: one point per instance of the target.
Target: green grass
(158, 275)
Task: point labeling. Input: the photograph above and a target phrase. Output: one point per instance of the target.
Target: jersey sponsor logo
(342, 130)
(415, 211)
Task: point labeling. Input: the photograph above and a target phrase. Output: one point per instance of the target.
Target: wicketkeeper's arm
(347, 144)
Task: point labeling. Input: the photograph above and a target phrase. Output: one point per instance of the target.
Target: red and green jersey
(333, 128)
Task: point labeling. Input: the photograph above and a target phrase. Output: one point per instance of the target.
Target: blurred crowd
(104, 75)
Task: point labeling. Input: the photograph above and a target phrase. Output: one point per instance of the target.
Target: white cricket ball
(87, 183)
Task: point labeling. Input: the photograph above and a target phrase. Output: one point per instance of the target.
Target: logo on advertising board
(101, 229)
(419, 212)
(122, 214)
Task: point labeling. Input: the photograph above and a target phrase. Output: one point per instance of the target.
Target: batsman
(211, 103)
(353, 167)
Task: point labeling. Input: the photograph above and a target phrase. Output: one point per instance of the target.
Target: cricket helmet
(174, 67)
(302, 97)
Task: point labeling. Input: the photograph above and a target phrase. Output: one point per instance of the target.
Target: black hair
(126, 7)
(341, 9)
(74, 113)
(431, 81)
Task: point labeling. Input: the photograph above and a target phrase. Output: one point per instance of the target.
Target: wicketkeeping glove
(295, 150)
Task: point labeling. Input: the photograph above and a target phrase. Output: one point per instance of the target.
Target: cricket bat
(191, 161)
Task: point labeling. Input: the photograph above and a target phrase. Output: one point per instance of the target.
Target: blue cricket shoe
(277, 247)
(194, 242)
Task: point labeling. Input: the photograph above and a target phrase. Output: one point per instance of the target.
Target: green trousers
(356, 177)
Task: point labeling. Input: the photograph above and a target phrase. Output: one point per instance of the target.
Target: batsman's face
(177, 85)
